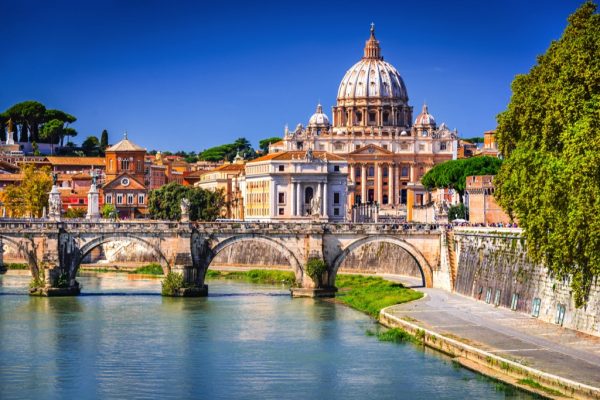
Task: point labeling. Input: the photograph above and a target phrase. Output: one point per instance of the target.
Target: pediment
(124, 182)
(371, 149)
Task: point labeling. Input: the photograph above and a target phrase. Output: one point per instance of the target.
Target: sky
(188, 75)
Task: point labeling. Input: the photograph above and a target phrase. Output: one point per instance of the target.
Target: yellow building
(229, 178)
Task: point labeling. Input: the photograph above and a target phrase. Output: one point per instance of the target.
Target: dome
(424, 118)
(372, 77)
(319, 118)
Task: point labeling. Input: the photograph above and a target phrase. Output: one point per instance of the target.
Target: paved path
(515, 336)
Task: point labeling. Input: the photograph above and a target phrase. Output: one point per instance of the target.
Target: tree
(52, 131)
(453, 173)
(30, 197)
(228, 152)
(264, 144)
(550, 136)
(165, 203)
(108, 211)
(66, 119)
(104, 141)
(29, 115)
(75, 213)
(91, 146)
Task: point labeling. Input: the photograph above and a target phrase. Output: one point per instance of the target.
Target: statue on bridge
(315, 206)
(185, 210)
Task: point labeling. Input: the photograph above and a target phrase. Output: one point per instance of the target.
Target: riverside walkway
(514, 336)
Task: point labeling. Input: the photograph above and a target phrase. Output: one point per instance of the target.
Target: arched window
(308, 195)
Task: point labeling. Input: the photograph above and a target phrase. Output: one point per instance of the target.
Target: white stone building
(296, 186)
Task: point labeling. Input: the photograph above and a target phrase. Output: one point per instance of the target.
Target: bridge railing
(44, 225)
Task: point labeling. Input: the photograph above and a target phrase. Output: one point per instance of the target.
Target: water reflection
(122, 340)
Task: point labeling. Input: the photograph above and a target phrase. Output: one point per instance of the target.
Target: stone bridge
(55, 250)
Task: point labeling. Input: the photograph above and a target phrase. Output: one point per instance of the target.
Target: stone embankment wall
(250, 254)
(494, 268)
(380, 258)
(120, 251)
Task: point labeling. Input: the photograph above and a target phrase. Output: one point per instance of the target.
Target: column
(325, 214)
(319, 195)
(273, 199)
(391, 185)
(351, 173)
(292, 199)
(397, 183)
(412, 173)
(363, 183)
(299, 208)
(379, 184)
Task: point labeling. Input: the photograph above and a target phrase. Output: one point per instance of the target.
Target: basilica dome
(372, 77)
(424, 118)
(319, 118)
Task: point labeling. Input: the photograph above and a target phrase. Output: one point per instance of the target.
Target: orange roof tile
(87, 161)
(298, 155)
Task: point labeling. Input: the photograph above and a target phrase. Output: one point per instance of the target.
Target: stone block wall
(495, 268)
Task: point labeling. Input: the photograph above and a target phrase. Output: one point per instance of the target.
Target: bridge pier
(193, 280)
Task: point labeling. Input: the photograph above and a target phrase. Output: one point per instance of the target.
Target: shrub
(75, 213)
(172, 283)
(315, 268)
(150, 269)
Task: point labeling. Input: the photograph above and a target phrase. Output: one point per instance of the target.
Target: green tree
(52, 131)
(91, 146)
(75, 213)
(66, 119)
(103, 141)
(28, 115)
(453, 173)
(165, 202)
(108, 211)
(264, 144)
(550, 136)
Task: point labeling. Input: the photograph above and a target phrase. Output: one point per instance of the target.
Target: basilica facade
(372, 128)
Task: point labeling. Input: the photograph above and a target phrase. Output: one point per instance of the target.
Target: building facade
(230, 180)
(373, 130)
(296, 186)
(483, 208)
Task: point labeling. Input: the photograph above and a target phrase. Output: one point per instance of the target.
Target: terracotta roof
(125, 145)
(69, 191)
(225, 168)
(279, 143)
(11, 177)
(88, 161)
(298, 155)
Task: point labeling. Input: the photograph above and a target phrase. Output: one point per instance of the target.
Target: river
(121, 340)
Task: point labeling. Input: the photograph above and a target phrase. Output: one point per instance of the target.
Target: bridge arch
(23, 247)
(424, 267)
(286, 252)
(92, 244)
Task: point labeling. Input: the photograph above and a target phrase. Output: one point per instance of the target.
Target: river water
(121, 340)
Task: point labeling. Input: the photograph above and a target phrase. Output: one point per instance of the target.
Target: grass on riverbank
(150, 269)
(256, 276)
(371, 294)
(16, 266)
(394, 335)
(536, 385)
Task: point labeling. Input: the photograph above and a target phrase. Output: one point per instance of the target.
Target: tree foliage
(31, 116)
(165, 202)
(75, 213)
(104, 141)
(550, 136)
(108, 211)
(30, 197)
(228, 152)
(453, 173)
(91, 146)
(264, 144)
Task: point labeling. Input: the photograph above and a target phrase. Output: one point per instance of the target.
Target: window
(403, 146)
(81, 201)
(130, 199)
(357, 172)
(281, 210)
(119, 198)
(404, 171)
(108, 199)
(124, 164)
(560, 314)
(141, 198)
(535, 310)
(281, 198)
(336, 168)
(488, 295)
(421, 147)
(385, 171)
(336, 198)
(443, 146)
(425, 133)
(372, 117)
(356, 147)
(338, 146)
(385, 146)
(497, 298)
(110, 163)
(514, 302)
(371, 171)
(139, 166)
(336, 212)
(281, 168)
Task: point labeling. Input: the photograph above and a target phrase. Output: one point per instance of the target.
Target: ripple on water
(121, 340)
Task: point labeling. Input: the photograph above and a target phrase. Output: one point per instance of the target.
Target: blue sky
(187, 75)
